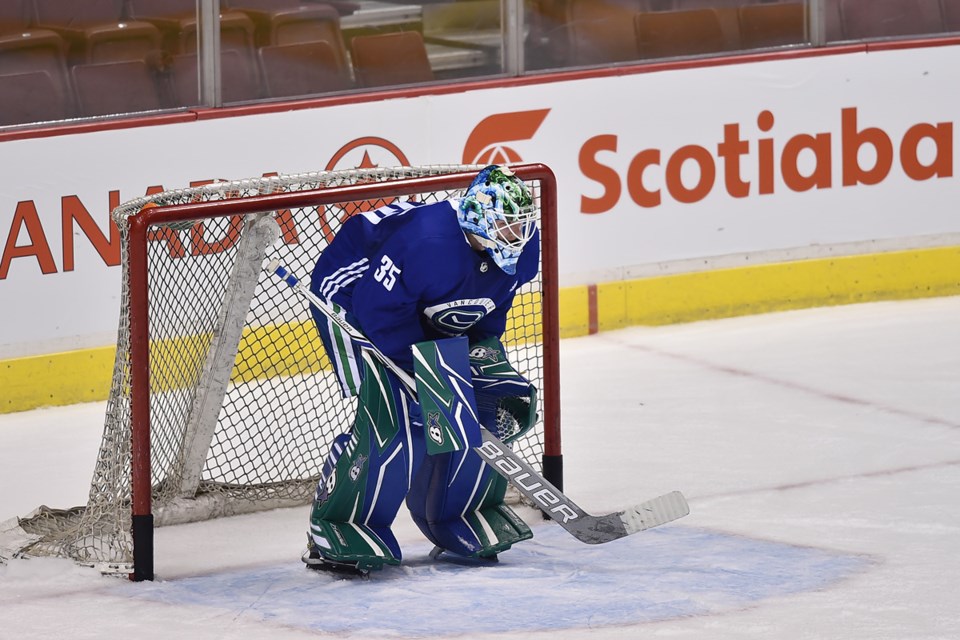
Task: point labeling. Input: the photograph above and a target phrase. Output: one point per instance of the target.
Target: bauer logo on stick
(548, 499)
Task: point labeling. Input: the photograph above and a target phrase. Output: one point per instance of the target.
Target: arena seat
(601, 31)
(300, 69)
(772, 25)
(833, 22)
(240, 69)
(887, 18)
(547, 24)
(15, 16)
(315, 24)
(237, 32)
(121, 41)
(77, 14)
(390, 59)
(239, 81)
(260, 5)
(96, 88)
(37, 50)
(96, 30)
(171, 17)
(308, 24)
(950, 10)
(662, 34)
(31, 97)
(280, 22)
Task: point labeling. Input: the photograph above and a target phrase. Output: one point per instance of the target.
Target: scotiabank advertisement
(654, 168)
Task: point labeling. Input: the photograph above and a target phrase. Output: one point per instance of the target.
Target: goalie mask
(498, 209)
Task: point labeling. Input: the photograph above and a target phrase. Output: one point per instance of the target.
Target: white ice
(819, 451)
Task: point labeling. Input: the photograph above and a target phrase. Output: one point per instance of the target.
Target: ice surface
(819, 451)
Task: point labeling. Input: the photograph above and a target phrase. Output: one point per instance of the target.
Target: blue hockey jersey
(407, 274)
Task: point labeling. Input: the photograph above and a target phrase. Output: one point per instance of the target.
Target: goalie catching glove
(507, 401)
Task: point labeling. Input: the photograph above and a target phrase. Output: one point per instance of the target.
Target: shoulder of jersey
(437, 220)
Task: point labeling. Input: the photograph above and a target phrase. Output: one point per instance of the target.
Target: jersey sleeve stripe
(392, 209)
(340, 278)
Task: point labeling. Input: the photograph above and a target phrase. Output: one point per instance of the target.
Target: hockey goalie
(430, 287)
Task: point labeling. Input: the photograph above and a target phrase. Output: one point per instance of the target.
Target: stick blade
(653, 513)
(619, 524)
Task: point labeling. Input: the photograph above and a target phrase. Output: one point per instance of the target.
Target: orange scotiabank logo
(485, 144)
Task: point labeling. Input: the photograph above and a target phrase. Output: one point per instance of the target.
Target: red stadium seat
(390, 59)
(601, 31)
(97, 30)
(15, 16)
(301, 69)
(236, 32)
(887, 18)
(121, 41)
(241, 69)
(239, 82)
(772, 25)
(96, 87)
(662, 34)
(171, 17)
(31, 97)
(77, 14)
(950, 10)
(283, 22)
(37, 50)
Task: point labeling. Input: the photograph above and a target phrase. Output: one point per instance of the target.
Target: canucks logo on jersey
(455, 318)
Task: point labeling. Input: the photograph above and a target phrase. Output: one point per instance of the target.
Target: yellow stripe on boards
(55, 379)
(750, 290)
(85, 375)
(802, 284)
(178, 363)
(574, 310)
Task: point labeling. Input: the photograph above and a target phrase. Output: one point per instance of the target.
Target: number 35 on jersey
(386, 274)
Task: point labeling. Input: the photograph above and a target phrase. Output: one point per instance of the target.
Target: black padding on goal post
(553, 470)
(142, 548)
(553, 473)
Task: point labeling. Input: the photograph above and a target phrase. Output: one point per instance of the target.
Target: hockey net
(241, 403)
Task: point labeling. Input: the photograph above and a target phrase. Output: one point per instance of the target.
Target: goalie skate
(439, 553)
(317, 562)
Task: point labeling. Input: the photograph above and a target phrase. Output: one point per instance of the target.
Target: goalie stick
(583, 526)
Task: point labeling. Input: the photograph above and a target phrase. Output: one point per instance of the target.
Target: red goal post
(222, 399)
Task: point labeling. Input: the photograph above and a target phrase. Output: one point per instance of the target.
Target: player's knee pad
(342, 526)
(367, 475)
(457, 502)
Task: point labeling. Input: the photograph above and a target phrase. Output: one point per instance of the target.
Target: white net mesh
(252, 435)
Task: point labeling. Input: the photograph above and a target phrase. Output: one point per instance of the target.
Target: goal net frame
(256, 204)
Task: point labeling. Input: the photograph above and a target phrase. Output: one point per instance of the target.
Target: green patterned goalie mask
(498, 209)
